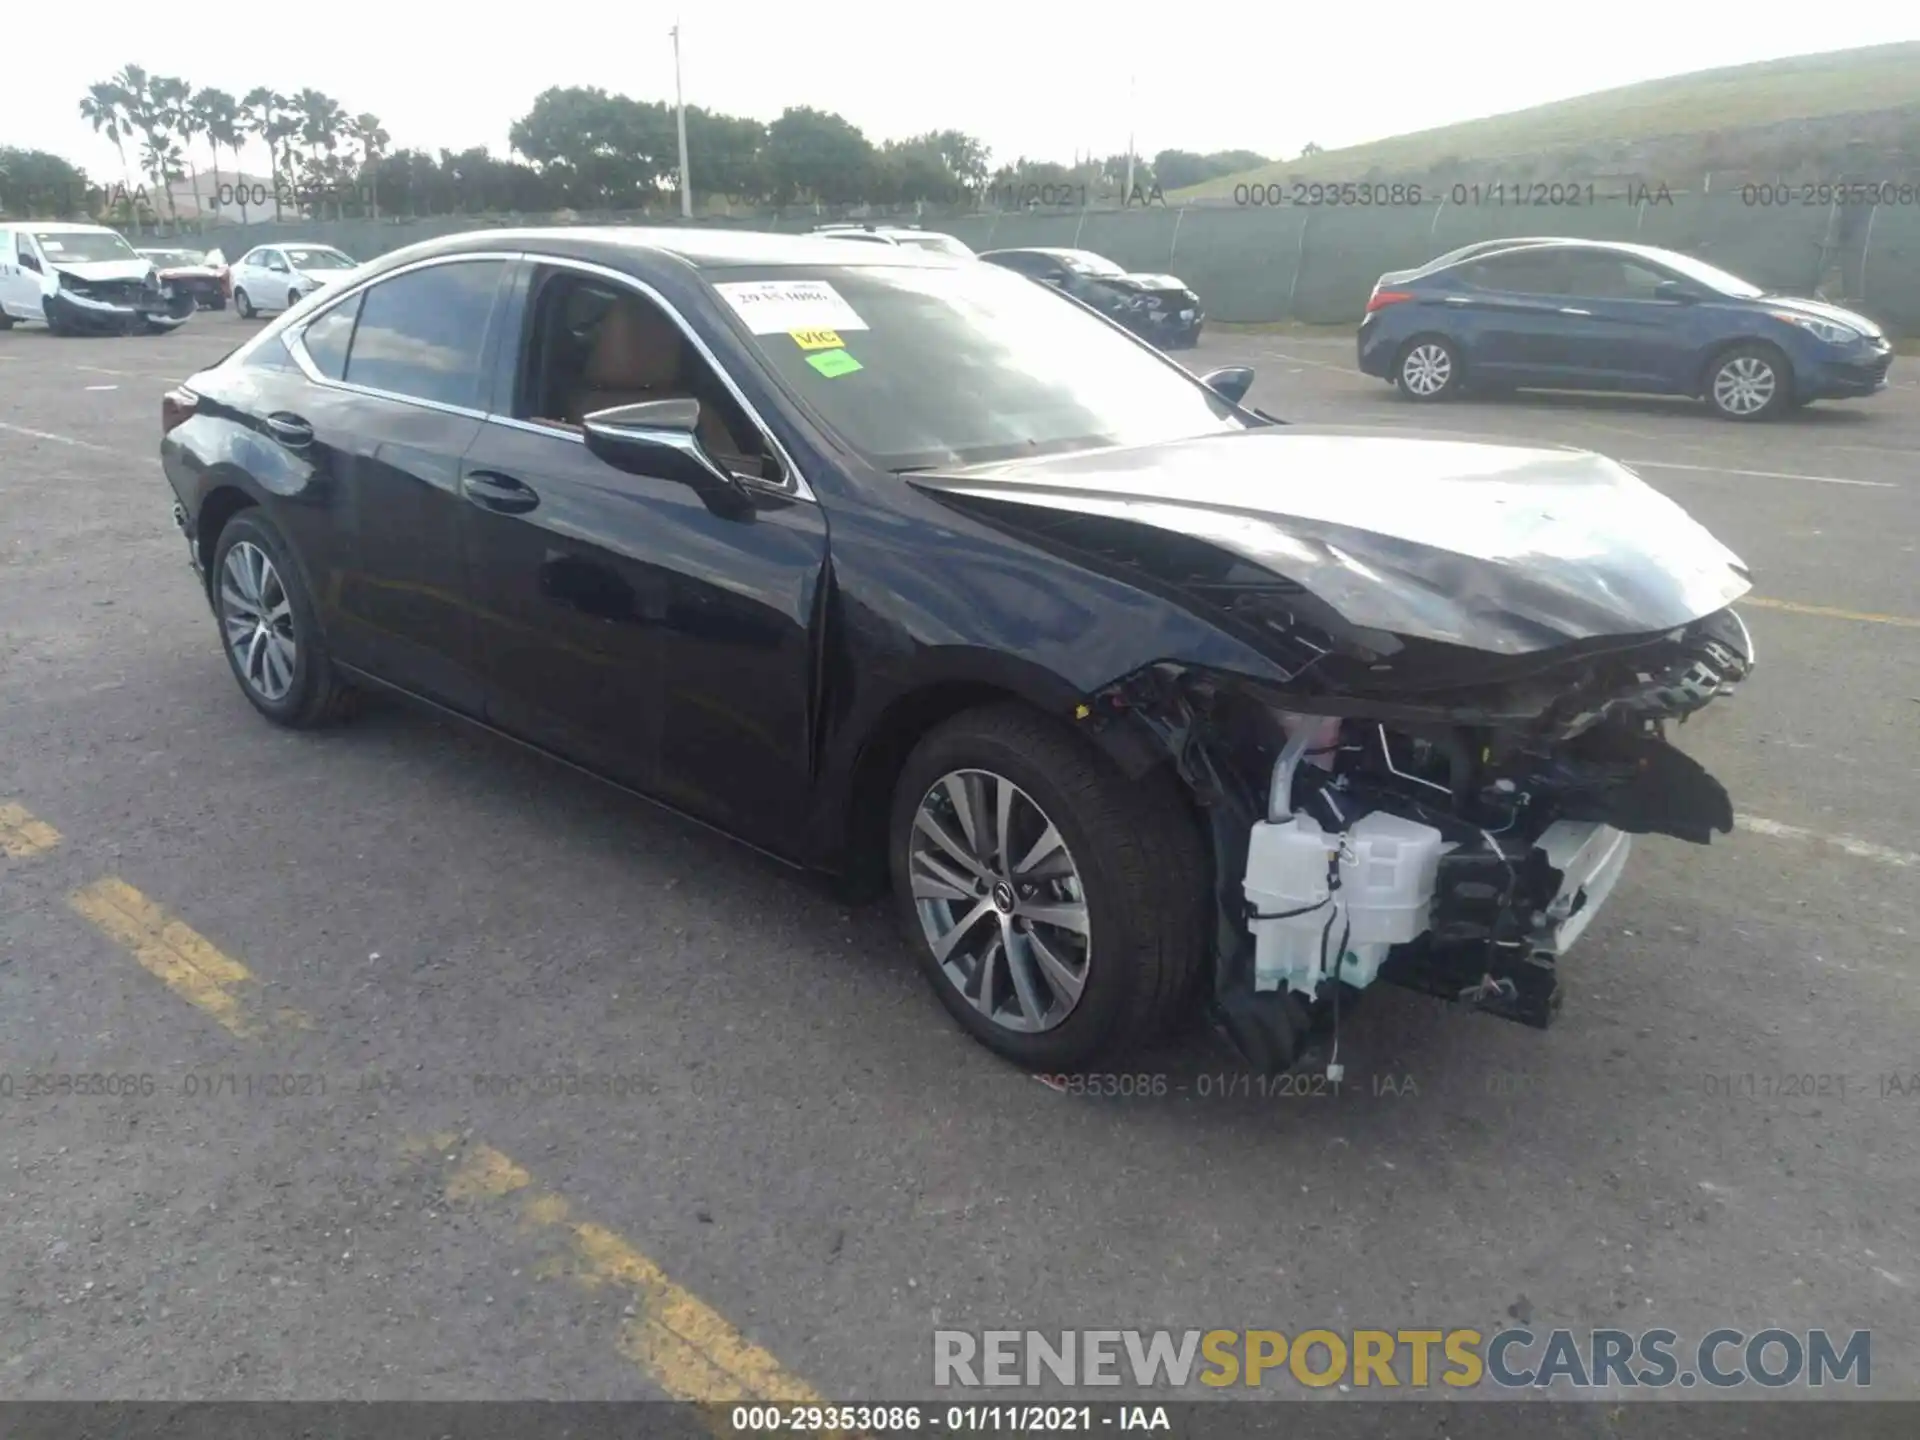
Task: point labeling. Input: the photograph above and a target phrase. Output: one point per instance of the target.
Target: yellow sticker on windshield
(815, 339)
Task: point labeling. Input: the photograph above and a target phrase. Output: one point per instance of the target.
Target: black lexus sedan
(1159, 308)
(898, 569)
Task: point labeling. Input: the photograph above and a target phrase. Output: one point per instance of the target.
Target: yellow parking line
(1866, 617)
(686, 1346)
(182, 959)
(22, 834)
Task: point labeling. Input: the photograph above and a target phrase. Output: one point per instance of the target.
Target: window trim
(794, 486)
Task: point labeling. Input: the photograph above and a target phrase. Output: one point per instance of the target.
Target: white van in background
(83, 279)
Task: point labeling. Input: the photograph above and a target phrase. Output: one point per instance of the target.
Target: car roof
(1059, 251)
(694, 246)
(60, 227)
(1616, 247)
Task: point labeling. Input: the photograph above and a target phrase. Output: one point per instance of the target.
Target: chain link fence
(1316, 264)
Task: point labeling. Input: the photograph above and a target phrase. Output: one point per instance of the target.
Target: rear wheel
(269, 630)
(1750, 382)
(1429, 369)
(1058, 908)
(243, 305)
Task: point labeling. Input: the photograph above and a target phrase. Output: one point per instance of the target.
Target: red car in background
(201, 274)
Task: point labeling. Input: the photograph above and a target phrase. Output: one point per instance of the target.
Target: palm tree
(160, 157)
(322, 126)
(140, 112)
(219, 120)
(263, 107)
(173, 102)
(102, 108)
(372, 137)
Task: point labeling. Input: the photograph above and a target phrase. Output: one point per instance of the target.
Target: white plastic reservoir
(1387, 867)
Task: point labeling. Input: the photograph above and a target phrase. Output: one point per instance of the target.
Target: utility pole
(680, 106)
(1128, 194)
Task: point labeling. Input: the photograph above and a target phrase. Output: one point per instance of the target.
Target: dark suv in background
(1160, 309)
(1594, 315)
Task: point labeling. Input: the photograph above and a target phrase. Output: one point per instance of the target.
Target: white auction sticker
(774, 307)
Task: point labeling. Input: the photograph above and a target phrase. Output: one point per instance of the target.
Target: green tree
(36, 184)
(816, 155)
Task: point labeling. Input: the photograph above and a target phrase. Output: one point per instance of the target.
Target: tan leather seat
(638, 355)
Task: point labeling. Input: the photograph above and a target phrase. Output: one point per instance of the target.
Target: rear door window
(423, 335)
(328, 336)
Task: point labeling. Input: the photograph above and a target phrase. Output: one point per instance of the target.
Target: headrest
(635, 348)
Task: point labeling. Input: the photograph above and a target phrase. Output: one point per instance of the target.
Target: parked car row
(1552, 313)
(88, 279)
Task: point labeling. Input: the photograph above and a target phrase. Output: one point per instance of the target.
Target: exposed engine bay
(1455, 842)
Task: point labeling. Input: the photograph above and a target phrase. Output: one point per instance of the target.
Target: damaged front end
(116, 307)
(1455, 840)
(1457, 666)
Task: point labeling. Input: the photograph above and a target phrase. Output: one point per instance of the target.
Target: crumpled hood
(136, 269)
(1821, 310)
(1501, 548)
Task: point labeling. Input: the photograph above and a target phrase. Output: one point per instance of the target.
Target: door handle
(491, 490)
(1574, 310)
(290, 430)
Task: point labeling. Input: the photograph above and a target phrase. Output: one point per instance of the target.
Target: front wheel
(1750, 382)
(1429, 369)
(1058, 908)
(244, 305)
(269, 630)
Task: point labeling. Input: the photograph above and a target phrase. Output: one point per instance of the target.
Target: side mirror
(1675, 291)
(1230, 384)
(31, 262)
(659, 438)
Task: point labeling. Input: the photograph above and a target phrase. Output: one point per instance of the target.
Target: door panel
(628, 627)
(570, 595)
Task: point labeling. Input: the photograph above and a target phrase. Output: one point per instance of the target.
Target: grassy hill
(1777, 117)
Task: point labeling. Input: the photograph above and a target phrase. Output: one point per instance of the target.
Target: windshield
(303, 259)
(1087, 263)
(924, 368)
(940, 244)
(81, 247)
(1711, 276)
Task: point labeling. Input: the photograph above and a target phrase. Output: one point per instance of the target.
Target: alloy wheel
(1000, 901)
(1745, 385)
(256, 619)
(1427, 369)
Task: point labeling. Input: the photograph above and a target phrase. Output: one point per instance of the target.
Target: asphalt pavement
(429, 1069)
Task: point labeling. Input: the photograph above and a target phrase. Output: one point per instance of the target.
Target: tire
(243, 305)
(219, 304)
(6, 321)
(313, 695)
(293, 299)
(1749, 382)
(1139, 871)
(1427, 369)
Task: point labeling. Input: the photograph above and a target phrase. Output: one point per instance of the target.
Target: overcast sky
(1045, 80)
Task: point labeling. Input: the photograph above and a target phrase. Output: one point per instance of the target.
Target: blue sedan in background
(1592, 315)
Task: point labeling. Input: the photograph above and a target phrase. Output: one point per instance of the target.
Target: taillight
(177, 407)
(1383, 298)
